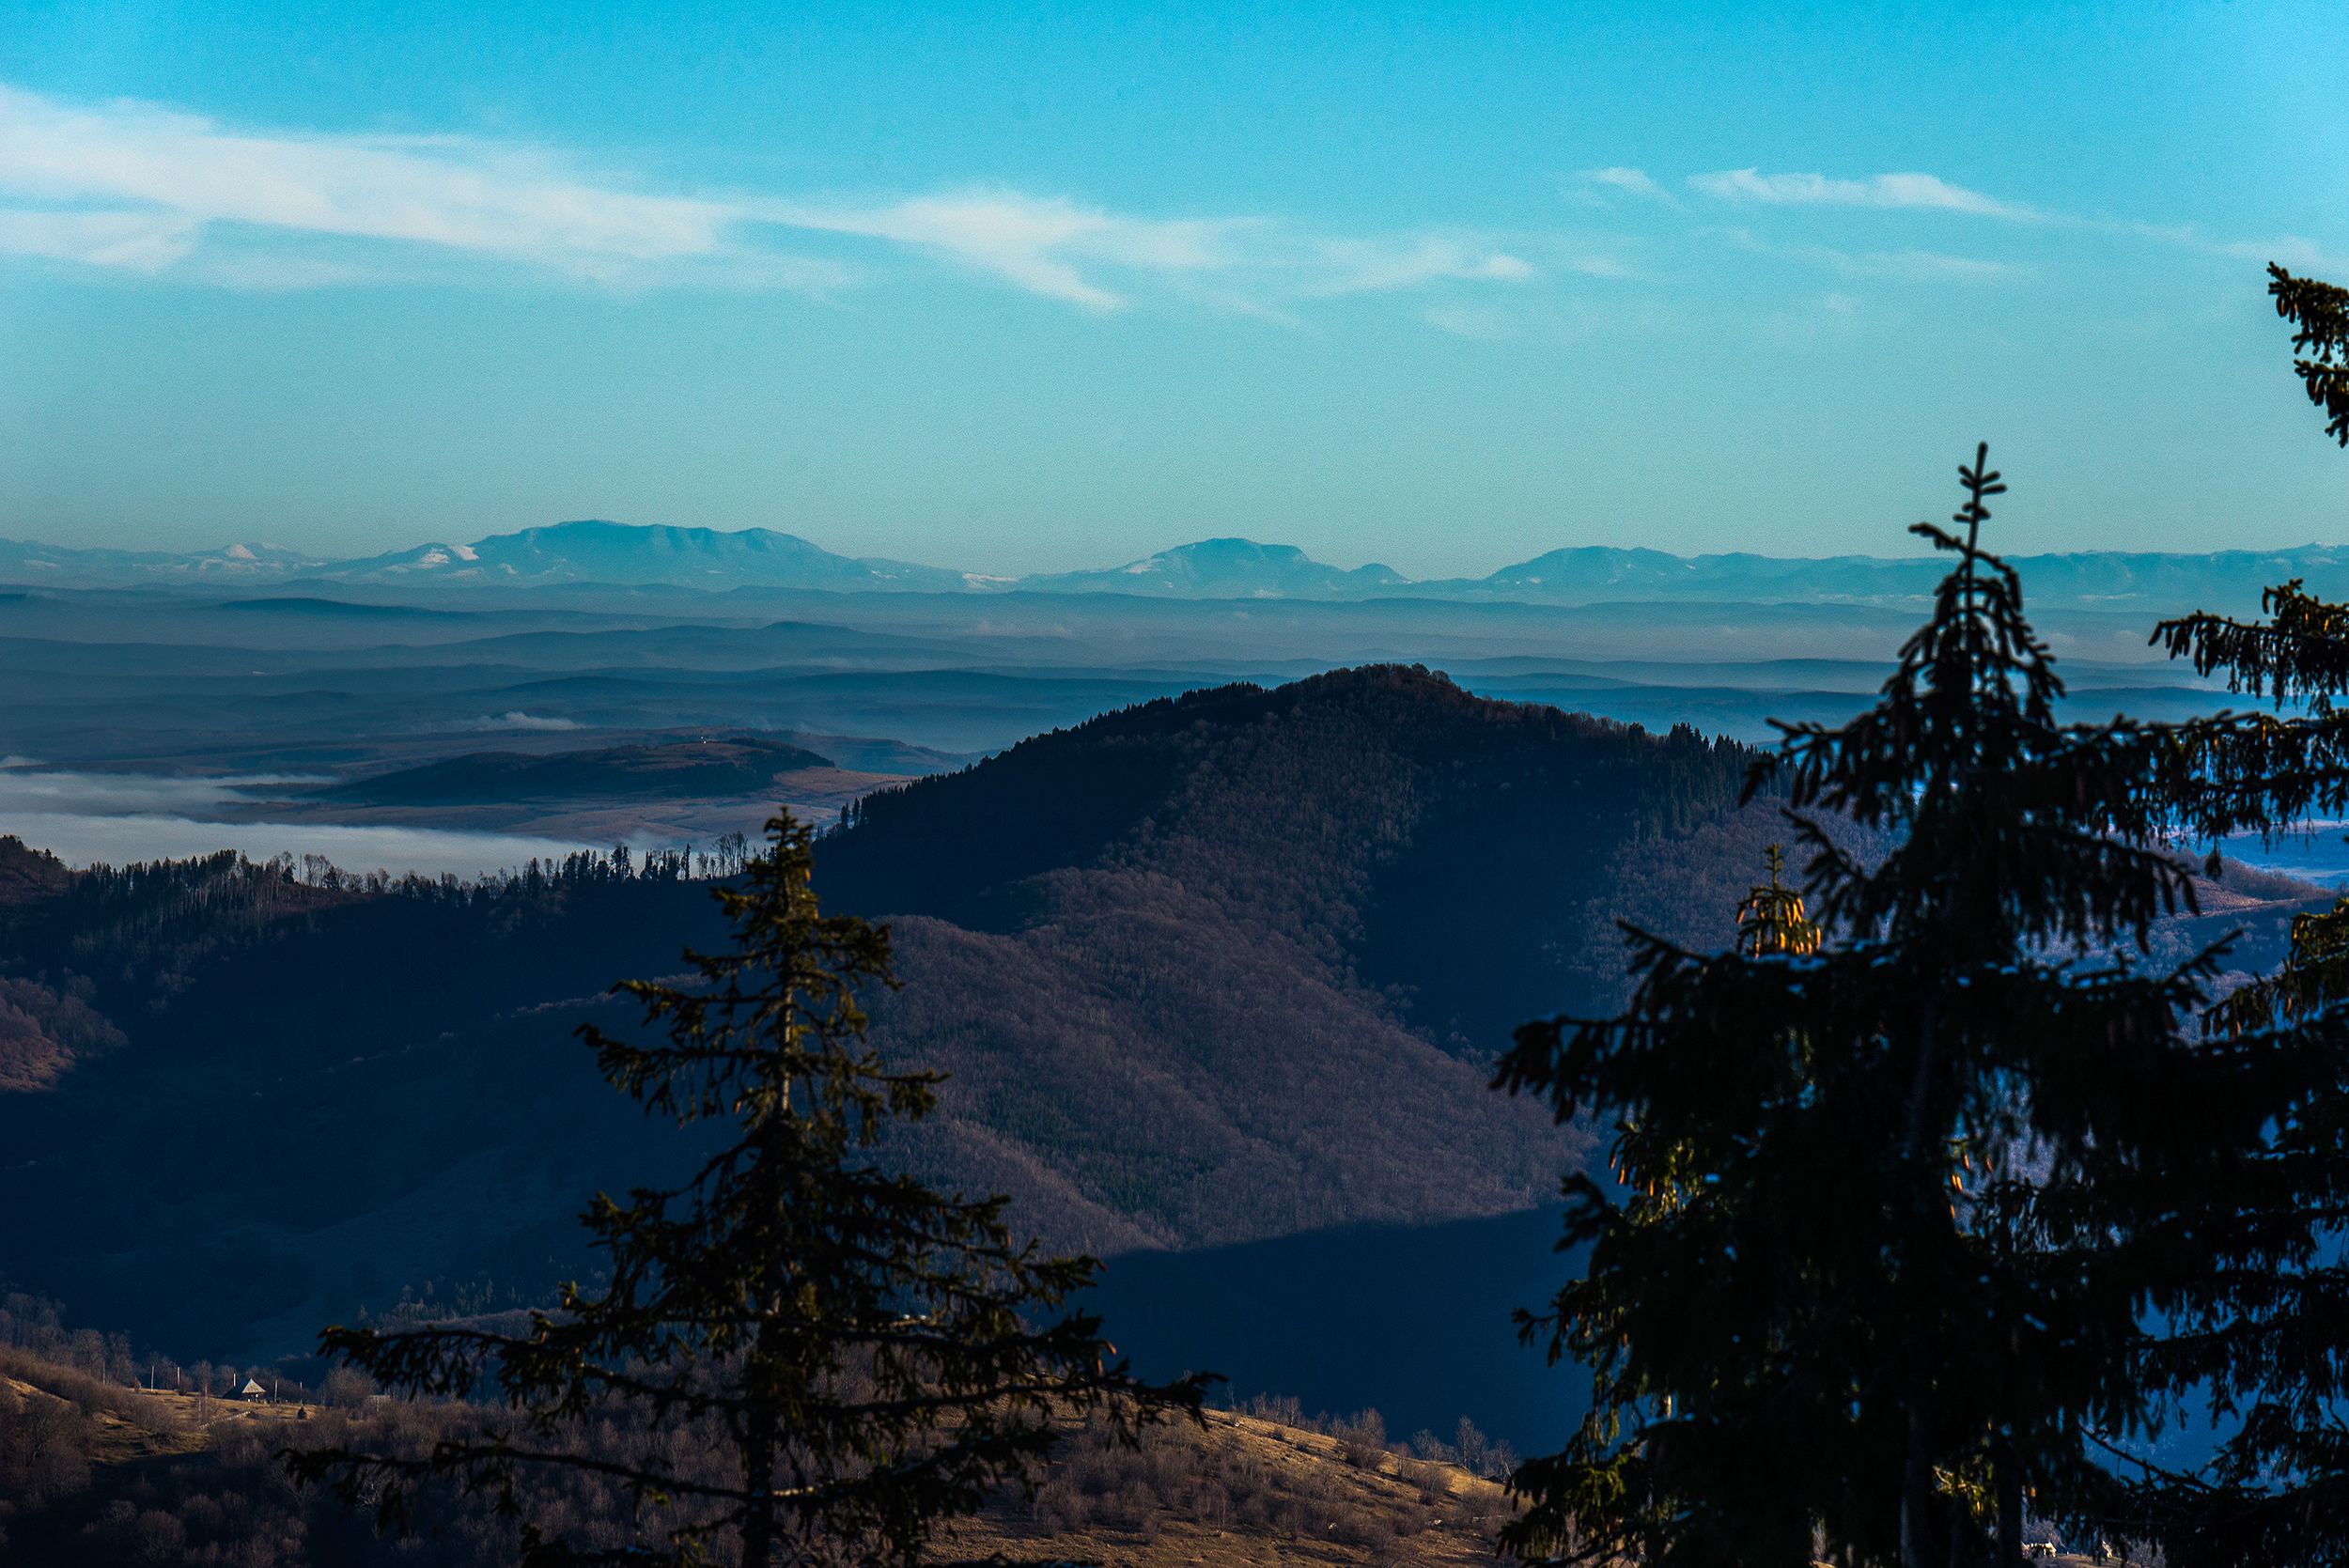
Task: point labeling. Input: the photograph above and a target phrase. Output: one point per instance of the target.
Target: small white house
(252, 1389)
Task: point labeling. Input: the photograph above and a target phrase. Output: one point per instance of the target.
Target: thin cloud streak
(1891, 190)
(1921, 266)
(136, 188)
(2287, 250)
(133, 241)
(1924, 192)
(1043, 245)
(1033, 243)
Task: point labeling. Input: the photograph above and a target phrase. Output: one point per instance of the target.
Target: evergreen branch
(2320, 311)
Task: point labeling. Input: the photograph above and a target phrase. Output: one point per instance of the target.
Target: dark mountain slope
(314, 1095)
(1426, 843)
(1207, 970)
(1176, 958)
(1146, 1072)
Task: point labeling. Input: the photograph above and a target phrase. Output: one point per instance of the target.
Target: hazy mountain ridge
(1224, 568)
(598, 552)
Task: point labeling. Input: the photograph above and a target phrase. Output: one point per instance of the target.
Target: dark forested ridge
(303, 1096)
(1435, 845)
(1208, 970)
(1232, 965)
(722, 764)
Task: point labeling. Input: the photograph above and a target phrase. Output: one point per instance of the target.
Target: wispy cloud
(2287, 250)
(140, 242)
(1883, 191)
(1922, 266)
(1040, 244)
(1360, 266)
(1549, 320)
(443, 193)
(1924, 192)
(131, 187)
(1916, 266)
(1630, 181)
(1060, 249)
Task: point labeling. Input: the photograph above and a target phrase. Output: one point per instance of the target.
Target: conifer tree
(859, 1342)
(1771, 919)
(2263, 1334)
(1892, 1212)
(2320, 312)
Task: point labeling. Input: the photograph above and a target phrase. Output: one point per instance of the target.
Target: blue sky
(1046, 287)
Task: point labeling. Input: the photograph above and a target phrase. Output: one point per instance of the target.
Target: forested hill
(1383, 818)
(1209, 970)
(1234, 964)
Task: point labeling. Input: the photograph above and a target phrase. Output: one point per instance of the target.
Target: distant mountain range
(616, 553)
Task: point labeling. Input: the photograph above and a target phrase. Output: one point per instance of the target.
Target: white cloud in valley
(119, 819)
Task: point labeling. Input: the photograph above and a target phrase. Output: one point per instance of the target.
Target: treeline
(35, 1326)
(231, 881)
(1363, 1436)
(155, 924)
(33, 1333)
(152, 925)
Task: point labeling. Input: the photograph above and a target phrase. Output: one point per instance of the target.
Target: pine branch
(2320, 311)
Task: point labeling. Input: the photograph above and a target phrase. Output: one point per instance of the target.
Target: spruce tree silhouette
(858, 1342)
(1891, 1213)
(2265, 1335)
(2320, 311)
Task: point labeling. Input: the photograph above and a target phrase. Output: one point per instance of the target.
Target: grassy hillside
(95, 1473)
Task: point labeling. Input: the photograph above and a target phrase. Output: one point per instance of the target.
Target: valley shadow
(1412, 1320)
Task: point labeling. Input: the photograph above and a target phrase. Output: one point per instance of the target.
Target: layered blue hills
(593, 551)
